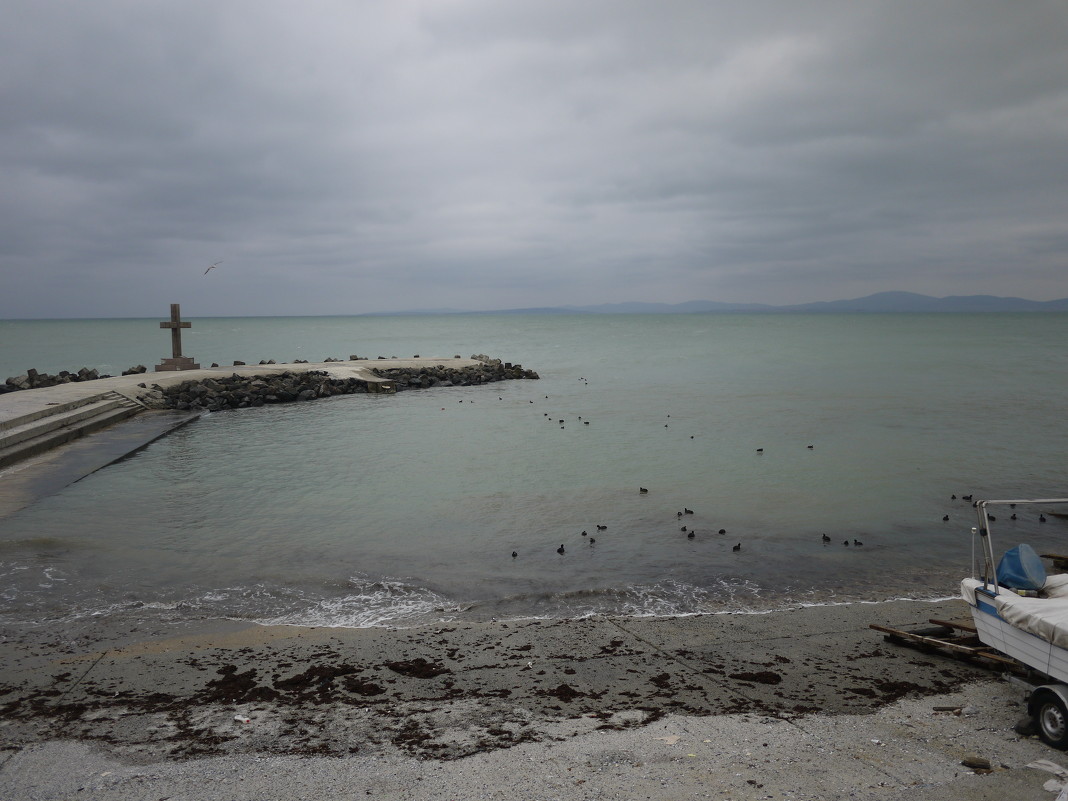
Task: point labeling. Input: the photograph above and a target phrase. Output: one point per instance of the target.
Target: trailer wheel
(1051, 715)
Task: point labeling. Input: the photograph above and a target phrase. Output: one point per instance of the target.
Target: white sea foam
(383, 602)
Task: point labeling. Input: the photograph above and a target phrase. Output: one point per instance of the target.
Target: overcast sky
(349, 156)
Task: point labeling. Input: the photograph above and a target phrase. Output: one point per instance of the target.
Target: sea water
(400, 510)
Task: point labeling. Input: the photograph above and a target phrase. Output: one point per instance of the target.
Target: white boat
(1027, 620)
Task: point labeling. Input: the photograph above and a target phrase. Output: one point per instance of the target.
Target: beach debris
(242, 719)
(1026, 726)
(1060, 784)
(976, 762)
(670, 739)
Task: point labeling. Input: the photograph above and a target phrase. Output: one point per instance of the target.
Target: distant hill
(911, 302)
(884, 302)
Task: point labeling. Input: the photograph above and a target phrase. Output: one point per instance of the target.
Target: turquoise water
(371, 510)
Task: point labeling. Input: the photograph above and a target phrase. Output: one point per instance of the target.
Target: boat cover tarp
(1045, 617)
(1021, 569)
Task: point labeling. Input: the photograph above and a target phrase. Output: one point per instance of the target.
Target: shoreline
(453, 701)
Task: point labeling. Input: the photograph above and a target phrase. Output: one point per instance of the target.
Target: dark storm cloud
(355, 156)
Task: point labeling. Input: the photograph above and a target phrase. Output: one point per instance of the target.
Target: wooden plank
(932, 641)
(954, 624)
(954, 647)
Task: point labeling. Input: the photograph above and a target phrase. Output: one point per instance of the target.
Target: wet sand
(806, 703)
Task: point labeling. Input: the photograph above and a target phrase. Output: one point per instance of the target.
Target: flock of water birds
(690, 532)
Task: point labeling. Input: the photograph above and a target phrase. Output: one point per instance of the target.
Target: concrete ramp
(58, 423)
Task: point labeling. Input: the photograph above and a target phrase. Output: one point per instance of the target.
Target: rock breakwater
(32, 379)
(241, 392)
(487, 371)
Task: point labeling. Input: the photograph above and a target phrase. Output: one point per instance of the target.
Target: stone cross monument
(177, 360)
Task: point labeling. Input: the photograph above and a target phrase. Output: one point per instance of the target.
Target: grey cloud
(349, 157)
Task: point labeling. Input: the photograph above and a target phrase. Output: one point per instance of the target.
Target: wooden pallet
(955, 638)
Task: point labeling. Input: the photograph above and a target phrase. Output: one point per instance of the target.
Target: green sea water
(374, 510)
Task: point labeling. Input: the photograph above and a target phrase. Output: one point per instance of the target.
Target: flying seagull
(216, 264)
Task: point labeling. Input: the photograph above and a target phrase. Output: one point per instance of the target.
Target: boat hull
(1028, 648)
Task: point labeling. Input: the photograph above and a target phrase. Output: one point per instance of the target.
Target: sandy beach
(807, 703)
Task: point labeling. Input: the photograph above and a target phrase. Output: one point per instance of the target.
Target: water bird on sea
(991, 518)
(966, 497)
(642, 490)
(691, 535)
(953, 497)
(678, 514)
(760, 450)
(1041, 518)
(846, 543)
(945, 518)
(683, 528)
(737, 547)
(687, 511)
(723, 531)
(593, 540)
(583, 532)
(601, 528)
(561, 548)
(826, 538)
(857, 542)
(1012, 516)
(514, 554)
(585, 422)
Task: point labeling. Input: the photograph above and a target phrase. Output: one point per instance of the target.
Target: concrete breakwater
(244, 391)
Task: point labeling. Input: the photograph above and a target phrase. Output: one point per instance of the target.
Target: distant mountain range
(886, 302)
